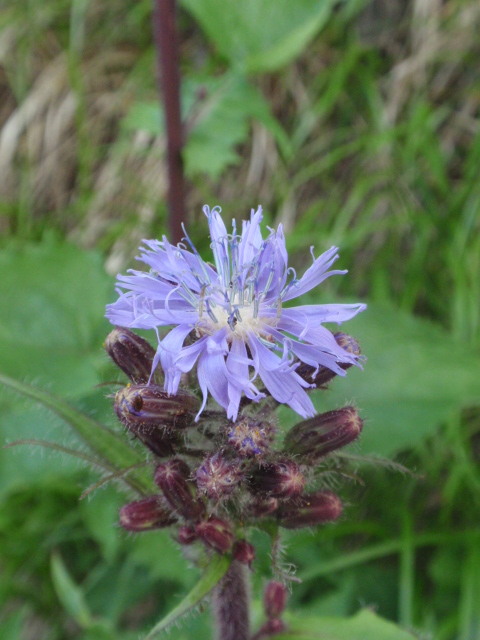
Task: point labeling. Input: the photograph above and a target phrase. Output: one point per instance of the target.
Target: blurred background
(353, 122)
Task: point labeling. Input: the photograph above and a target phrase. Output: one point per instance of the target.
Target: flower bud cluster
(216, 477)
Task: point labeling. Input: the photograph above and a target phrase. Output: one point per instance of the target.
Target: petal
(284, 384)
(219, 244)
(315, 314)
(251, 239)
(168, 351)
(314, 275)
(213, 376)
(238, 366)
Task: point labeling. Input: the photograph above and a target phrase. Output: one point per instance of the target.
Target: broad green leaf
(365, 624)
(111, 447)
(219, 122)
(101, 516)
(222, 123)
(216, 569)
(51, 318)
(157, 551)
(260, 35)
(415, 376)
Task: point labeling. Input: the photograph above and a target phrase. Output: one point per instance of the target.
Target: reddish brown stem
(231, 604)
(166, 42)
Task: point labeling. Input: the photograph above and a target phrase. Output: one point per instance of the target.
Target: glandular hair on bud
(322, 376)
(275, 599)
(143, 405)
(324, 433)
(131, 353)
(249, 437)
(173, 478)
(309, 510)
(146, 514)
(217, 477)
(216, 534)
(277, 479)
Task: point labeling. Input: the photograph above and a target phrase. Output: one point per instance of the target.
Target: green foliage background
(353, 123)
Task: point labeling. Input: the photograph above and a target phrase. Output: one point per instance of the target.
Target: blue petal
(314, 275)
(284, 384)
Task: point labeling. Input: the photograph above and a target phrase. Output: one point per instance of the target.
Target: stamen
(210, 312)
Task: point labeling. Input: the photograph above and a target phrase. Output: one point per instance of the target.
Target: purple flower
(236, 315)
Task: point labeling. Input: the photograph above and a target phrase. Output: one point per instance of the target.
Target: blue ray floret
(240, 331)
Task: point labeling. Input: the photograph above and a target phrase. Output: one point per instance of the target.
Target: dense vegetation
(353, 123)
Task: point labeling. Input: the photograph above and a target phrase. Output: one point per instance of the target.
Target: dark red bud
(244, 552)
(146, 514)
(324, 375)
(173, 479)
(279, 479)
(215, 533)
(143, 405)
(132, 354)
(249, 437)
(161, 442)
(217, 477)
(262, 507)
(349, 344)
(309, 510)
(271, 628)
(324, 433)
(186, 535)
(275, 599)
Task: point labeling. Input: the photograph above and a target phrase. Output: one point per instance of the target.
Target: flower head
(234, 312)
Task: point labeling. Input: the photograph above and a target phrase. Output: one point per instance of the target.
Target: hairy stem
(230, 604)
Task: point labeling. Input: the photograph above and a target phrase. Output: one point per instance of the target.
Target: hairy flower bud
(162, 443)
(217, 477)
(146, 514)
(324, 433)
(261, 507)
(272, 627)
(186, 535)
(149, 405)
(131, 353)
(278, 479)
(322, 376)
(244, 552)
(275, 599)
(173, 479)
(215, 533)
(309, 510)
(250, 437)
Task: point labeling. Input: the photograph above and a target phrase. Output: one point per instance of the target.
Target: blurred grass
(369, 138)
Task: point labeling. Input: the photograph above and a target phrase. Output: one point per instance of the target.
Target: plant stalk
(166, 44)
(230, 604)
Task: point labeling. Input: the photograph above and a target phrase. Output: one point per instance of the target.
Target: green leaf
(73, 600)
(69, 594)
(365, 624)
(222, 122)
(51, 318)
(266, 35)
(112, 448)
(215, 571)
(415, 376)
(218, 123)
